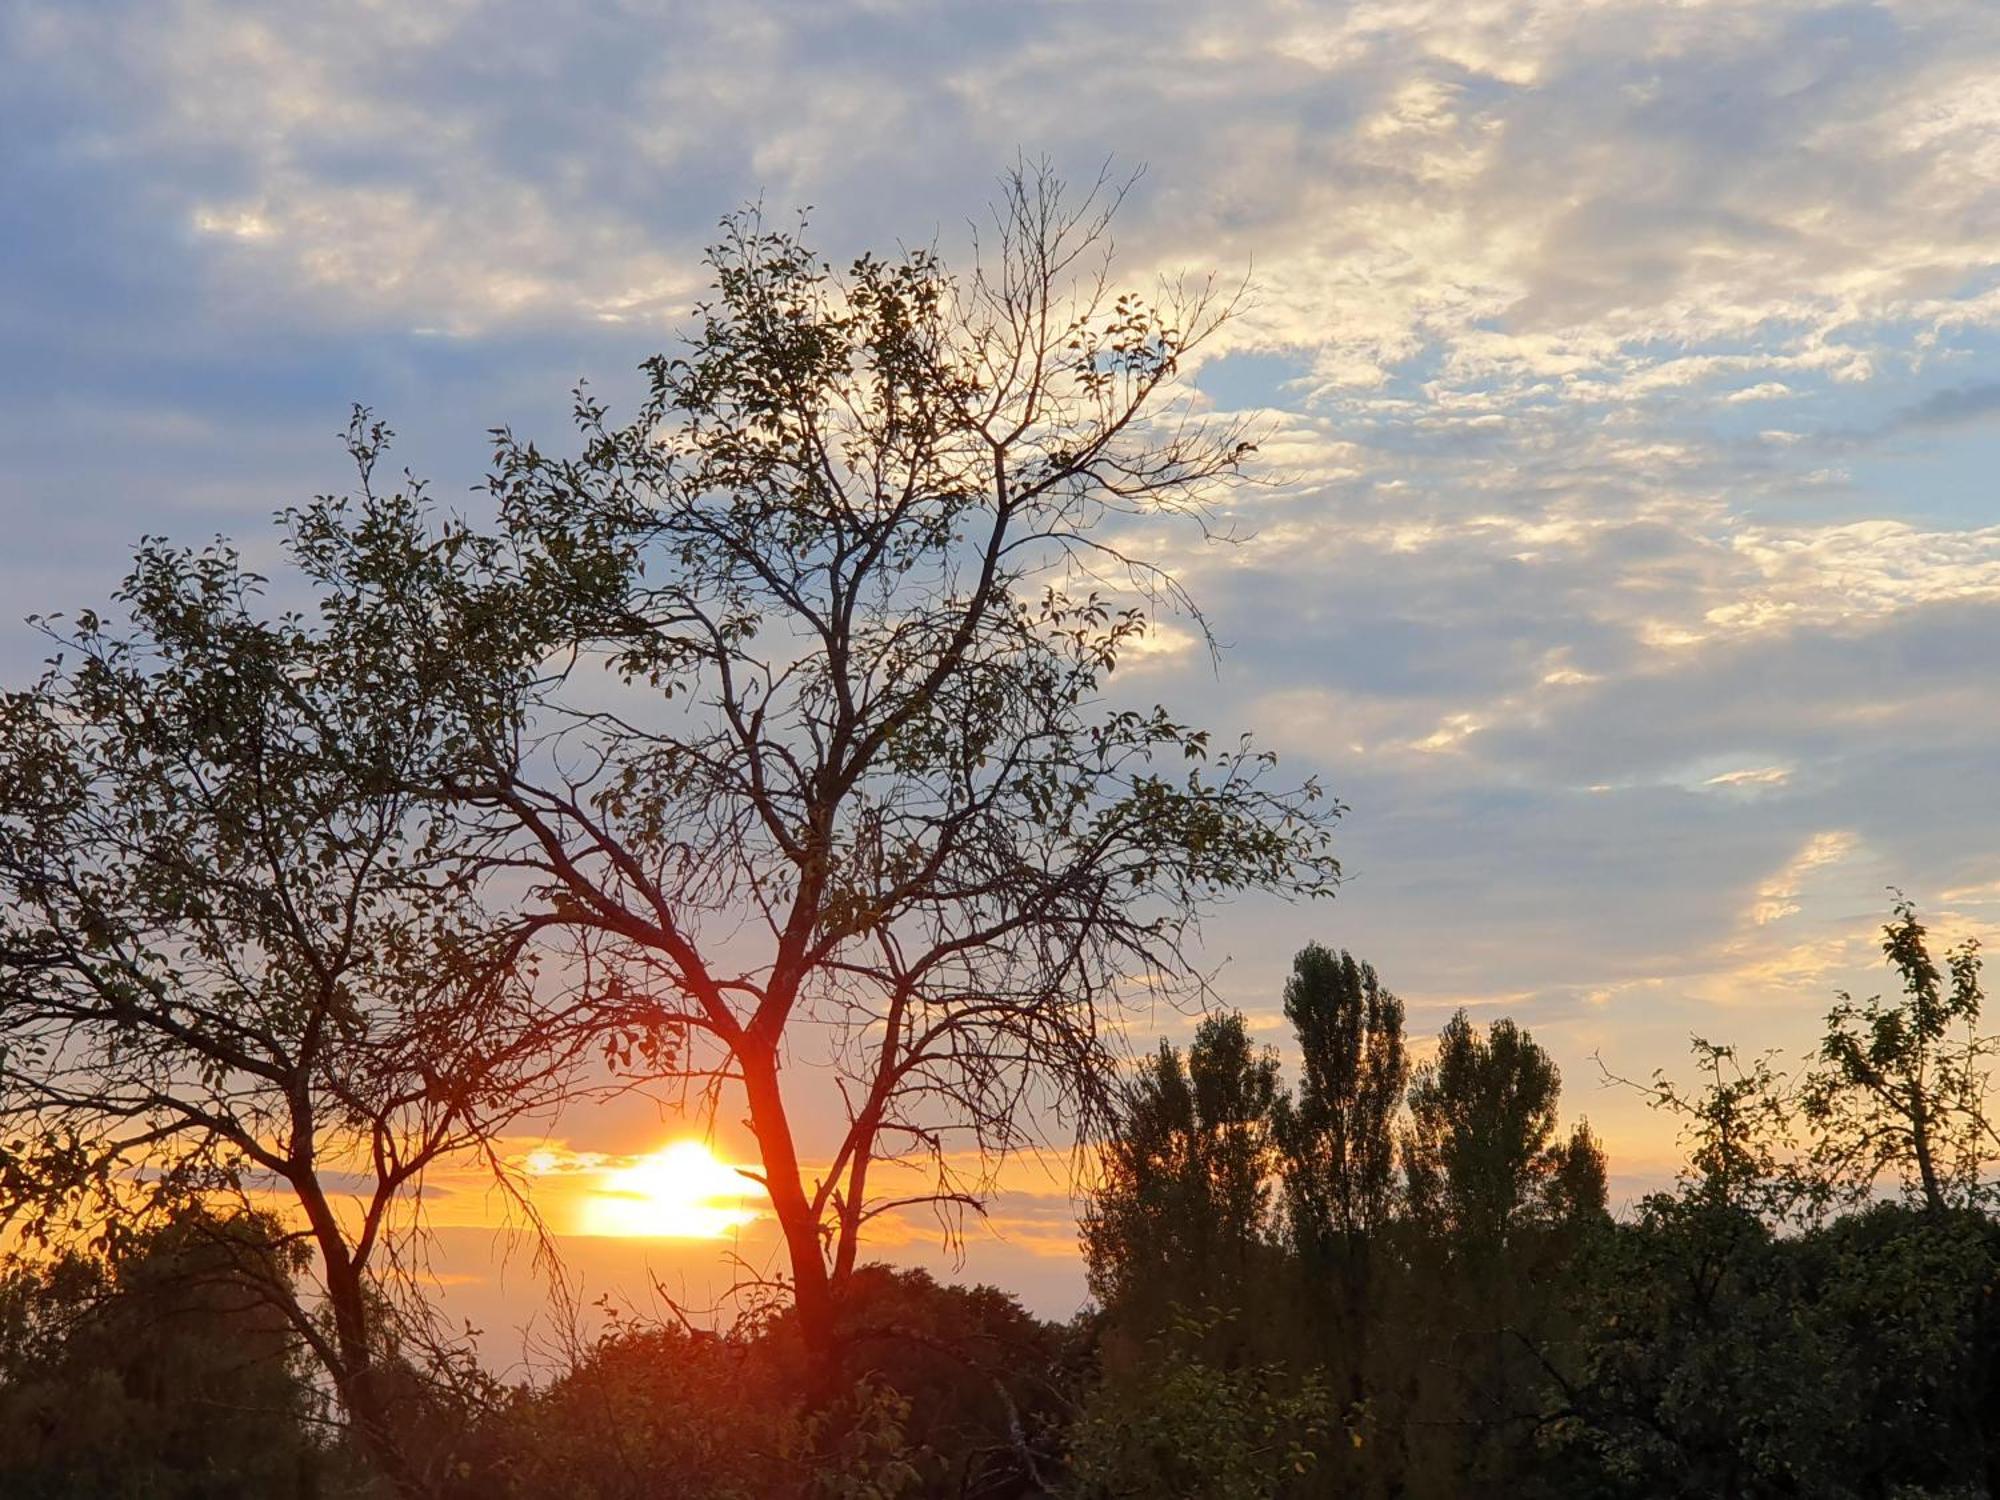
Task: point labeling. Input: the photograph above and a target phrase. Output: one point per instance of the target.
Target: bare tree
(786, 699)
(228, 971)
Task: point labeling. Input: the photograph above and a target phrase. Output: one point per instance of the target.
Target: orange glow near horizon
(681, 1192)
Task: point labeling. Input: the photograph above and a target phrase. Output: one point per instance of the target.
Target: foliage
(953, 1398)
(1740, 1135)
(1339, 1132)
(1175, 1423)
(1423, 1338)
(1183, 1211)
(640, 1404)
(1726, 1359)
(158, 1372)
(818, 642)
(1901, 1088)
(229, 965)
(1740, 1341)
(984, 1383)
(1481, 1154)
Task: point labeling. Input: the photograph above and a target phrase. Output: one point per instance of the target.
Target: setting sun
(682, 1192)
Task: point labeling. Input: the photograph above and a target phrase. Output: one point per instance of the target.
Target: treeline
(1379, 1279)
(1362, 1288)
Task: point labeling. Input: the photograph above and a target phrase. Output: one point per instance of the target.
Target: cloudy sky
(1632, 367)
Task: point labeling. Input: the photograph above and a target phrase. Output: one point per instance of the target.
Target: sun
(682, 1192)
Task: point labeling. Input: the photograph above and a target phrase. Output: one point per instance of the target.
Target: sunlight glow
(682, 1192)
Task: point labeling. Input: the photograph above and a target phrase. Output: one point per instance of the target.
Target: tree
(1740, 1133)
(984, 1380)
(786, 700)
(161, 1372)
(1731, 1340)
(1902, 1088)
(1337, 1140)
(1504, 1210)
(646, 1411)
(1177, 1423)
(1481, 1153)
(1183, 1209)
(1339, 1133)
(229, 973)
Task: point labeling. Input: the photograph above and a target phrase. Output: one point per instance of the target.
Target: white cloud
(1778, 897)
(1754, 776)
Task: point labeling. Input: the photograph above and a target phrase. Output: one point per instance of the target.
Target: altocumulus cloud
(1626, 371)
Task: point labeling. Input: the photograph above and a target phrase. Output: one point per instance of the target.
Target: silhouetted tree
(1740, 1134)
(1339, 1130)
(1731, 1341)
(1498, 1201)
(1481, 1153)
(984, 1380)
(954, 1392)
(228, 967)
(1177, 1421)
(1902, 1088)
(1337, 1137)
(1183, 1211)
(161, 1372)
(784, 699)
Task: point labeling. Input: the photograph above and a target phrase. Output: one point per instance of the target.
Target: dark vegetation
(766, 744)
(1351, 1285)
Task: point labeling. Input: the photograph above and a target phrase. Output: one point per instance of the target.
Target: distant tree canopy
(1476, 1321)
(1481, 1154)
(1339, 1130)
(1185, 1203)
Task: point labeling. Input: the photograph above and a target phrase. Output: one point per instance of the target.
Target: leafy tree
(1733, 1342)
(1906, 1299)
(1481, 1153)
(951, 1393)
(785, 698)
(1740, 1134)
(1697, 1375)
(229, 972)
(1503, 1209)
(1339, 1132)
(1183, 1211)
(1695, 1372)
(1178, 1423)
(1337, 1139)
(160, 1372)
(1901, 1089)
(646, 1411)
(984, 1380)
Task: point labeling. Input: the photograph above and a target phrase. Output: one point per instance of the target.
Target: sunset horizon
(1057, 749)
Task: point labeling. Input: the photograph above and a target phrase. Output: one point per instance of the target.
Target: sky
(1630, 375)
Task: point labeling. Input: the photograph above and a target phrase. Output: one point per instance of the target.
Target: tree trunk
(1920, 1142)
(812, 1288)
(359, 1387)
(354, 1374)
